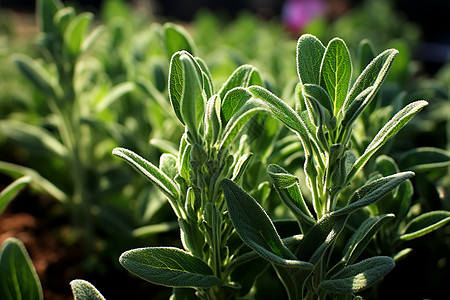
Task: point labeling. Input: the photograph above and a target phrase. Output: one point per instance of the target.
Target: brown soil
(55, 263)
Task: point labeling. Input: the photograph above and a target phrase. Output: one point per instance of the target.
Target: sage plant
(209, 152)
(328, 105)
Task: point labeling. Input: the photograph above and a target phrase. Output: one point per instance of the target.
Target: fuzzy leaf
(11, 191)
(424, 159)
(176, 84)
(18, 278)
(372, 76)
(310, 52)
(336, 72)
(240, 166)
(373, 191)
(165, 184)
(289, 190)
(357, 277)
(239, 119)
(208, 82)
(233, 101)
(168, 164)
(363, 235)
(282, 111)
(318, 104)
(254, 225)
(169, 266)
(213, 124)
(244, 76)
(320, 237)
(177, 39)
(425, 224)
(192, 105)
(84, 290)
(390, 129)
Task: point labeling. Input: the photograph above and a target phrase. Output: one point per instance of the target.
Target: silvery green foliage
(328, 105)
(209, 152)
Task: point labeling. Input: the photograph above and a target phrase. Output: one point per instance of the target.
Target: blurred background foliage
(131, 57)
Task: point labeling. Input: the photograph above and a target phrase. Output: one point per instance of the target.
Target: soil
(31, 218)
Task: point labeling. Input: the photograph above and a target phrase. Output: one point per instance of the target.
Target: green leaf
(33, 138)
(45, 185)
(183, 159)
(363, 235)
(372, 76)
(76, 31)
(254, 225)
(168, 164)
(390, 129)
(165, 184)
(318, 103)
(192, 105)
(240, 166)
(366, 87)
(336, 72)
(114, 94)
(320, 95)
(424, 159)
(425, 224)
(239, 119)
(357, 277)
(320, 237)
(310, 52)
(233, 101)
(213, 124)
(373, 191)
(46, 11)
(282, 111)
(18, 278)
(177, 39)
(11, 191)
(169, 266)
(208, 82)
(176, 84)
(84, 290)
(35, 72)
(244, 76)
(289, 190)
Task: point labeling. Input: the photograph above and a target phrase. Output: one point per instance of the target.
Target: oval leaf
(254, 225)
(310, 52)
(166, 184)
(425, 224)
(373, 191)
(19, 279)
(169, 267)
(357, 277)
(84, 290)
(390, 129)
(176, 39)
(336, 71)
